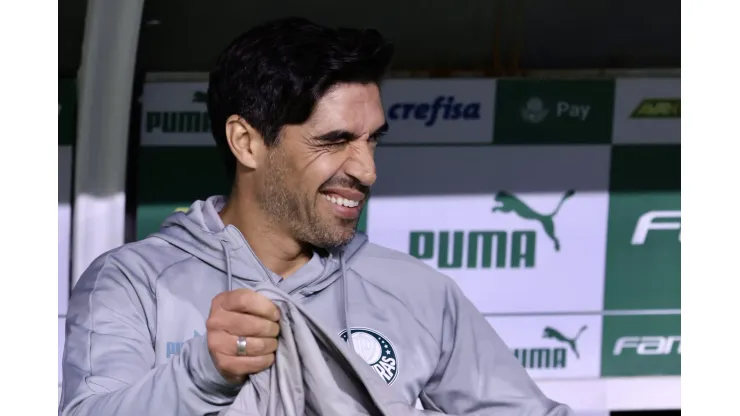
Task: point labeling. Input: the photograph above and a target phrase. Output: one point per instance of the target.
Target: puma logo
(200, 97)
(510, 203)
(552, 333)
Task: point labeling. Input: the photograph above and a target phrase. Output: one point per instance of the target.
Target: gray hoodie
(135, 327)
(316, 374)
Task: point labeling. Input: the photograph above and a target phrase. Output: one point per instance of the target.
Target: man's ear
(245, 142)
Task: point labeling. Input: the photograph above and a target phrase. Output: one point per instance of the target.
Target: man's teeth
(342, 201)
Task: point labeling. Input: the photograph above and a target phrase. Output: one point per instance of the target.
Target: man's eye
(376, 137)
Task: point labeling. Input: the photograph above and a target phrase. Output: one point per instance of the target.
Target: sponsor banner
(173, 177)
(175, 114)
(60, 347)
(553, 111)
(554, 346)
(647, 111)
(641, 345)
(643, 261)
(418, 111)
(439, 110)
(521, 229)
(67, 111)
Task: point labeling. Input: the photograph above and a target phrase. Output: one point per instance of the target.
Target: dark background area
(502, 36)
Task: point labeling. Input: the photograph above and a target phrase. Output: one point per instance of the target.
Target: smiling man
(172, 324)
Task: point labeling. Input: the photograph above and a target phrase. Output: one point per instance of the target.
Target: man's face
(317, 179)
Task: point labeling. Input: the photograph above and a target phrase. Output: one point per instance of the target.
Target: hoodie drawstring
(229, 278)
(343, 277)
(345, 287)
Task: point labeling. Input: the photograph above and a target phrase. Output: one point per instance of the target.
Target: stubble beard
(289, 209)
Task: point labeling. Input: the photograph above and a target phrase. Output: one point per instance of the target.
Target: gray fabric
(135, 327)
(301, 380)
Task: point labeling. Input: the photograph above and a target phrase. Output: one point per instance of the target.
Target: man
(170, 325)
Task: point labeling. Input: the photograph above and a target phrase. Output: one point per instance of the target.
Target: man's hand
(246, 313)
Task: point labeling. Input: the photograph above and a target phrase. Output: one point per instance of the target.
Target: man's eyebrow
(336, 136)
(341, 135)
(381, 130)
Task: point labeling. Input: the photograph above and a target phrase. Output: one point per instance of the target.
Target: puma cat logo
(552, 333)
(510, 203)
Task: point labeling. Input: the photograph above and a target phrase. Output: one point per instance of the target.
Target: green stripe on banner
(641, 345)
(554, 111)
(646, 168)
(362, 224)
(643, 261)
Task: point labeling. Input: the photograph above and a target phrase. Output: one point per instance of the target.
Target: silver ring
(241, 346)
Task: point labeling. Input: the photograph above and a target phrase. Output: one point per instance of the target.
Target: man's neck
(277, 250)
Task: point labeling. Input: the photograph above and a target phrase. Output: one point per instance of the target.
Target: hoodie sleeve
(109, 358)
(477, 374)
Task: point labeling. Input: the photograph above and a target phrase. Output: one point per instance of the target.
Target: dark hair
(273, 74)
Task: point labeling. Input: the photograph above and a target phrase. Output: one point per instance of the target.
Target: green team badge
(550, 358)
(376, 350)
(507, 203)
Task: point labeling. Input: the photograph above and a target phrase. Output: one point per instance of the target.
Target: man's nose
(361, 164)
